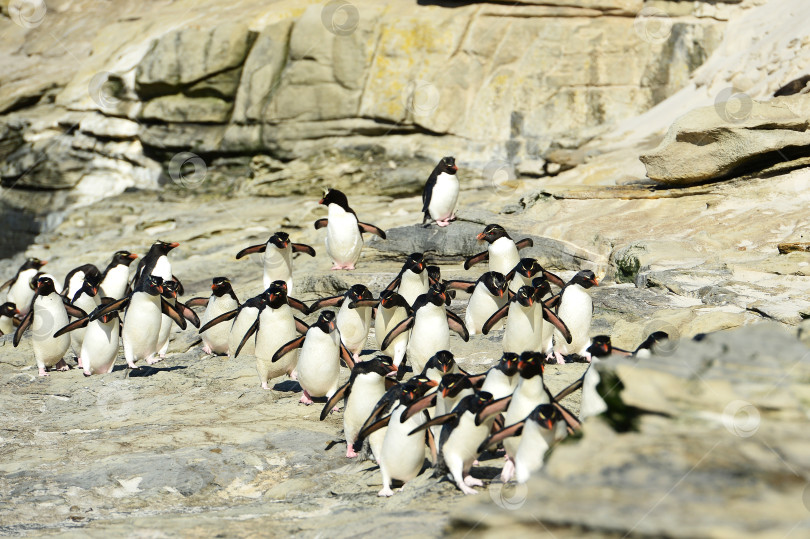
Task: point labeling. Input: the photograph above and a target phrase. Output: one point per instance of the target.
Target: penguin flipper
(475, 259)
(507, 432)
(8, 283)
(477, 380)
(197, 302)
(464, 286)
(180, 289)
(221, 318)
(399, 329)
(331, 301)
(346, 356)
(522, 244)
(187, 313)
(321, 223)
(570, 419)
(494, 319)
(371, 229)
(395, 283)
(553, 301)
(74, 311)
(18, 333)
(373, 427)
(364, 303)
(494, 407)
(252, 249)
(422, 403)
(401, 367)
(302, 248)
(431, 443)
(457, 324)
(110, 307)
(339, 394)
(553, 279)
(298, 305)
(301, 326)
(549, 315)
(568, 390)
(254, 327)
(439, 420)
(170, 311)
(76, 324)
(290, 346)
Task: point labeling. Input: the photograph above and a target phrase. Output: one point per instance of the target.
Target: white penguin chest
(277, 264)
(163, 268)
(276, 328)
(319, 362)
(444, 197)
(353, 325)
(413, 285)
(115, 282)
(576, 311)
(343, 239)
(503, 255)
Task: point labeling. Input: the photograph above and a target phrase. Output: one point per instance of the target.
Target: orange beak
(132, 256)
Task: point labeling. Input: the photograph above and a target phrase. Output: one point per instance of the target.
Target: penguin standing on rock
(277, 258)
(413, 280)
(156, 262)
(353, 318)
(223, 300)
(576, 310)
(502, 252)
(489, 294)
(440, 195)
(526, 271)
(87, 299)
(115, 279)
(100, 343)
(170, 291)
(344, 232)
(243, 316)
(391, 310)
(21, 291)
(501, 380)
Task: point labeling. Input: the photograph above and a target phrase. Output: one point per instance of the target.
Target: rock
(179, 108)
(734, 137)
(785, 248)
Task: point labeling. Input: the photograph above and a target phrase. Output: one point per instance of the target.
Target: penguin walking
(99, 347)
(501, 380)
(115, 279)
(452, 388)
(48, 313)
(353, 318)
(461, 435)
(440, 195)
(244, 316)
(489, 294)
(440, 364)
(222, 300)
(170, 290)
(366, 386)
(524, 327)
(277, 258)
(156, 262)
(576, 310)
(344, 232)
(76, 277)
(502, 252)
(319, 359)
(87, 299)
(412, 280)
(526, 271)
(21, 290)
(275, 326)
(8, 318)
(392, 309)
(142, 319)
(430, 326)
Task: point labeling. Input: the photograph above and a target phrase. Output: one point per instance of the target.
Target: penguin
(576, 310)
(156, 262)
(461, 435)
(392, 310)
(401, 456)
(21, 291)
(412, 280)
(440, 363)
(353, 318)
(365, 388)
(430, 326)
(452, 388)
(344, 232)
(244, 316)
(502, 252)
(141, 329)
(223, 299)
(440, 195)
(115, 279)
(543, 427)
(542, 288)
(489, 294)
(501, 380)
(524, 328)
(170, 290)
(87, 299)
(76, 277)
(277, 258)
(646, 348)
(275, 326)
(56, 284)
(99, 347)
(47, 314)
(525, 272)
(319, 359)
(591, 402)
(8, 318)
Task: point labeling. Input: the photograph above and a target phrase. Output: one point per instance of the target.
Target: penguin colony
(455, 414)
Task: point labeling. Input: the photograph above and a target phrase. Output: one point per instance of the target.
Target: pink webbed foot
(386, 492)
(356, 357)
(62, 366)
(337, 266)
(294, 375)
(43, 372)
(264, 385)
(87, 373)
(466, 489)
(79, 363)
(587, 356)
(508, 470)
(207, 350)
(443, 223)
(350, 453)
(305, 398)
(471, 481)
(559, 357)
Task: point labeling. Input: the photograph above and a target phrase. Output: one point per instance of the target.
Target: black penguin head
(530, 364)
(528, 267)
(442, 360)
(434, 274)
(448, 165)
(437, 295)
(495, 282)
(492, 233)
(356, 292)
(123, 257)
(32, 284)
(88, 287)
(508, 363)
(452, 384)
(585, 279)
(280, 239)
(541, 287)
(600, 346)
(545, 415)
(415, 263)
(326, 322)
(220, 286)
(9, 309)
(92, 276)
(414, 388)
(390, 299)
(33, 263)
(276, 294)
(475, 403)
(381, 364)
(333, 196)
(45, 286)
(170, 288)
(525, 296)
(163, 247)
(151, 284)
